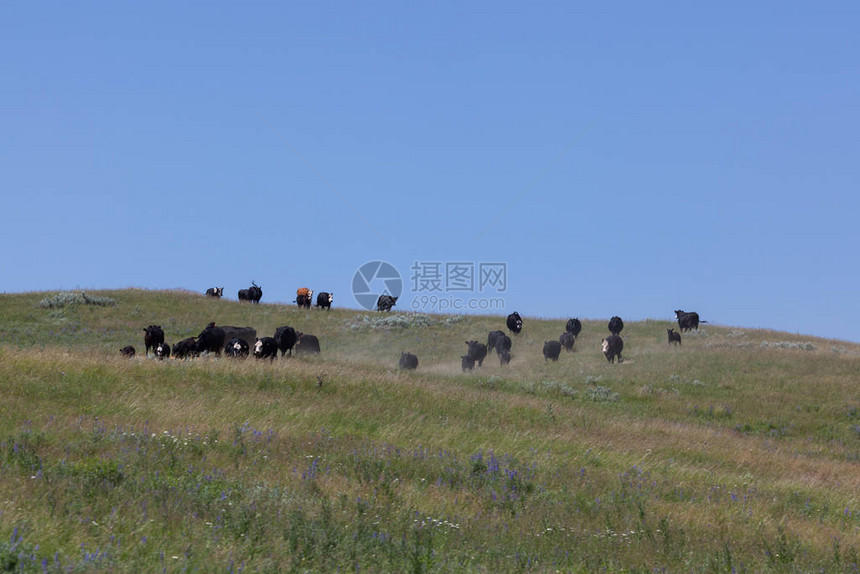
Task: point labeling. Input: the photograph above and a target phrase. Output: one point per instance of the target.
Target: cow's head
(605, 346)
(258, 347)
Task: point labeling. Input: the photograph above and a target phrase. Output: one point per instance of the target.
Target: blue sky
(713, 166)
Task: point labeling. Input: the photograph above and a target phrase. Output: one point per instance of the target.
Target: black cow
(266, 348)
(477, 351)
(127, 351)
(162, 351)
(504, 358)
(152, 336)
(616, 325)
(252, 294)
(467, 363)
(612, 347)
(551, 350)
(673, 336)
(286, 338)
(237, 348)
(185, 348)
(408, 361)
(385, 303)
(308, 344)
(567, 341)
(216, 292)
(211, 340)
(574, 326)
(324, 300)
(514, 323)
(687, 321)
(495, 340)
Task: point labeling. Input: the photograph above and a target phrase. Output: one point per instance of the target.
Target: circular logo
(373, 279)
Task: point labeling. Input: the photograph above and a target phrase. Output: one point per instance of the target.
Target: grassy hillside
(738, 451)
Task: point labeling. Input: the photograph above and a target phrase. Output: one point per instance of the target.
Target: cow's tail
(700, 321)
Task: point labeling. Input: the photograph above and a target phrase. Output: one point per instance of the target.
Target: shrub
(72, 298)
(798, 346)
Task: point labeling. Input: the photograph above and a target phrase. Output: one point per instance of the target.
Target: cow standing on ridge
(574, 326)
(515, 323)
(688, 321)
(324, 300)
(616, 325)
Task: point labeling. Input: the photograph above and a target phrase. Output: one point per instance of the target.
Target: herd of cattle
(238, 342)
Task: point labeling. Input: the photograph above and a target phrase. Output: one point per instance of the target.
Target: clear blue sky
(714, 164)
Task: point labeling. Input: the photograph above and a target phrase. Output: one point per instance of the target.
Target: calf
(467, 363)
(266, 348)
(286, 338)
(216, 292)
(237, 348)
(551, 351)
(477, 351)
(152, 336)
(688, 321)
(247, 334)
(673, 336)
(408, 361)
(567, 341)
(304, 296)
(162, 351)
(127, 351)
(324, 300)
(385, 303)
(514, 323)
(185, 348)
(574, 326)
(308, 344)
(612, 347)
(616, 325)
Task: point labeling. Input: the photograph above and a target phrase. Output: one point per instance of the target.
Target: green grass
(722, 455)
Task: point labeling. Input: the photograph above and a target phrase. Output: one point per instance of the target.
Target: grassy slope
(721, 454)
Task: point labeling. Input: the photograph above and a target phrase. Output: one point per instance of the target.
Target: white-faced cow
(688, 321)
(237, 348)
(216, 292)
(304, 296)
(514, 323)
(152, 336)
(616, 325)
(162, 351)
(266, 348)
(408, 361)
(324, 300)
(612, 347)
